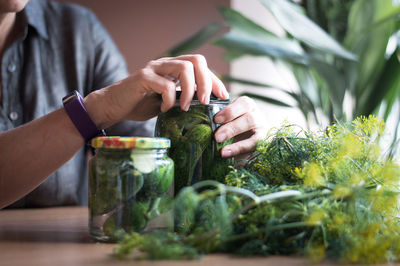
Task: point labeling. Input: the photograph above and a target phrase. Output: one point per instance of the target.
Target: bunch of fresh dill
(328, 195)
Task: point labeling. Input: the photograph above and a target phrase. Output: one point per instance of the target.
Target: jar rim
(213, 98)
(118, 142)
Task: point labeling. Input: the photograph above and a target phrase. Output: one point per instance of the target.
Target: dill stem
(269, 229)
(223, 188)
(265, 199)
(201, 237)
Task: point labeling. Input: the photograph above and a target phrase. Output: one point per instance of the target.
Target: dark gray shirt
(61, 47)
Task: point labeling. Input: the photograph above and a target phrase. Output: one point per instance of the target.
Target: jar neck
(212, 102)
(158, 153)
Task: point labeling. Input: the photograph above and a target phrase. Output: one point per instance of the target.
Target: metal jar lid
(116, 142)
(213, 98)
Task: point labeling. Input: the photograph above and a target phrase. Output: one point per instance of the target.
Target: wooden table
(59, 236)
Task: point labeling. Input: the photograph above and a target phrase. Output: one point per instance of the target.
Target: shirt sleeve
(109, 68)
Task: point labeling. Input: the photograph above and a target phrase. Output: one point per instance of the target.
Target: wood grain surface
(59, 236)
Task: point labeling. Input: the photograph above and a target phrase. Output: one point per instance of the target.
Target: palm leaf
(387, 84)
(305, 105)
(248, 37)
(231, 55)
(304, 29)
(196, 40)
(308, 98)
(231, 79)
(335, 81)
(266, 99)
(306, 83)
(275, 47)
(370, 46)
(243, 24)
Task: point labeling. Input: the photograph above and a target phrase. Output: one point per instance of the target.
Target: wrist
(95, 107)
(114, 103)
(73, 105)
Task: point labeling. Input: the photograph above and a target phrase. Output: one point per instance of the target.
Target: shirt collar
(35, 17)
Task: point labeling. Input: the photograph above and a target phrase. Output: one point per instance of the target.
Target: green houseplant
(334, 48)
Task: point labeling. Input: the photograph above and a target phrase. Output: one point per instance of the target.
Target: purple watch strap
(81, 119)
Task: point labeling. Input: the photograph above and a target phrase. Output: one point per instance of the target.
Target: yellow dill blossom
(312, 175)
(356, 179)
(340, 218)
(315, 217)
(384, 201)
(298, 172)
(316, 253)
(234, 179)
(351, 146)
(369, 126)
(374, 151)
(391, 174)
(341, 191)
(369, 245)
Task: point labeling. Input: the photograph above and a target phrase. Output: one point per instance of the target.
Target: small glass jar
(130, 186)
(196, 154)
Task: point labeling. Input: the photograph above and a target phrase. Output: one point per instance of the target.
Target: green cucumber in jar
(158, 182)
(144, 161)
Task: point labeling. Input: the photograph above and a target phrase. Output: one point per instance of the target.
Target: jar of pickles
(130, 186)
(193, 148)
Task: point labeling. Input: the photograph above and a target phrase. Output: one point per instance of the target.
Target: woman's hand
(137, 97)
(242, 120)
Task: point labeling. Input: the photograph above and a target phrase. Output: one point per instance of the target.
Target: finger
(236, 127)
(242, 158)
(203, 77)
(235, 109)
(150, 81)
(182, 70)
(240, 147)
(218, 87)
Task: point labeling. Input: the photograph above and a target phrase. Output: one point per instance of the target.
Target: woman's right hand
(138, 96)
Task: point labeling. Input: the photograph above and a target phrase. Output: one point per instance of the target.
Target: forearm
(30, 153)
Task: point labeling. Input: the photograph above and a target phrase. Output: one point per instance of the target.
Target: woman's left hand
(242, 120)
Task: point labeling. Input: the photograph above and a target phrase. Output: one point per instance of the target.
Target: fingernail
(226, 153)
(220, 137)
(219, 119)
(225, 94)
(186, 107)
(206, 99)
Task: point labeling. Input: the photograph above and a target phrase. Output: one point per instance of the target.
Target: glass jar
(130, 186)
(196, 154)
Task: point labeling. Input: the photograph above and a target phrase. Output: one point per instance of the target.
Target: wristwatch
(77, 113)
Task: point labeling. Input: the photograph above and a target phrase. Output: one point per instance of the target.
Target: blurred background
(145, 30)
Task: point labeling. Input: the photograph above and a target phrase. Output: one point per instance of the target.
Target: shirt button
(11, 67)
(13, 116)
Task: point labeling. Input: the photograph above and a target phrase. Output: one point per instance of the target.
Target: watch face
(70, 97)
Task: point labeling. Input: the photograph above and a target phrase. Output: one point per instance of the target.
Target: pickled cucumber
(195, 152)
